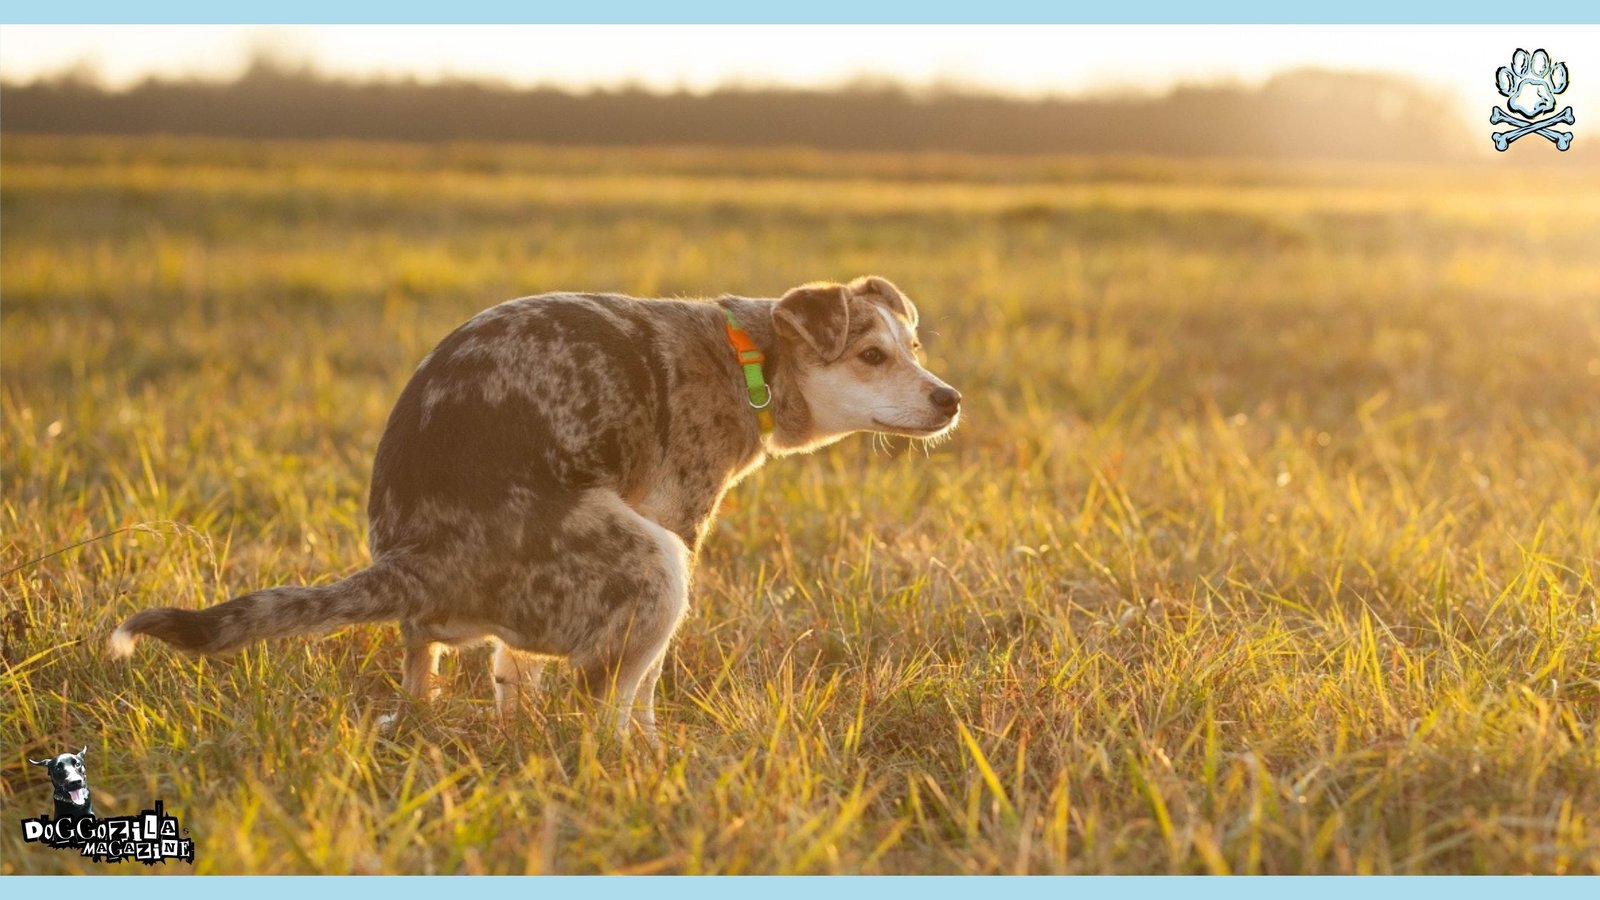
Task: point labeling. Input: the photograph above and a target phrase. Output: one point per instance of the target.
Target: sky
(1028, 60)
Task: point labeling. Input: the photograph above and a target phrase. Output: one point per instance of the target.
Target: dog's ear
(818, 314)
(880, 291)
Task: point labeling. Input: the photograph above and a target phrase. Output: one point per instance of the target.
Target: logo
(1530, 85)
(150, 837)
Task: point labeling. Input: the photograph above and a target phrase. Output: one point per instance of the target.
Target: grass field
(1270, 543)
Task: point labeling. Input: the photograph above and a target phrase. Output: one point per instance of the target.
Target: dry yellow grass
(1271, 542)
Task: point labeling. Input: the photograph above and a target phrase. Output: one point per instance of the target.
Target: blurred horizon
(1074, 61)
(1285, 118)
(1276, 92)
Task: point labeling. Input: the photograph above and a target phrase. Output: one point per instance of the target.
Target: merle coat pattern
(549, 472)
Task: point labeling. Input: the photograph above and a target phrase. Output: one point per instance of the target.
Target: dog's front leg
(514, 675)
(686, 511)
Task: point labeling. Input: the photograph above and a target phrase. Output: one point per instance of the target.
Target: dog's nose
(947, 399)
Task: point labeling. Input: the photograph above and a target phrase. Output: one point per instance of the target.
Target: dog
(71, 784)
(548, 475)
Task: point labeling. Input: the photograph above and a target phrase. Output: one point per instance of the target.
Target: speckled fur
(548, 474)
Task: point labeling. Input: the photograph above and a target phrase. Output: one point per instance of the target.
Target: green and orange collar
(750, 359)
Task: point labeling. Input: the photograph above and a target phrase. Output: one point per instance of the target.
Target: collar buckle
(750, 359)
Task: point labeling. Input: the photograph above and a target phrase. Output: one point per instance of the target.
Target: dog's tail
(382, 592)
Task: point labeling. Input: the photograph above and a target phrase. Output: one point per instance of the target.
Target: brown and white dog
(547, 476)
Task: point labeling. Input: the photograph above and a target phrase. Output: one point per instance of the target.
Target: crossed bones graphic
(1504, 139)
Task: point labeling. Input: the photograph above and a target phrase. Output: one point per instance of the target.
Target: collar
(750, 359)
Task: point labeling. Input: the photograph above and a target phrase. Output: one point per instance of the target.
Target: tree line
(1300, 114)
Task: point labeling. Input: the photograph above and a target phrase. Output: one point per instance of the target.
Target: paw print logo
(1530, 85)
(1531, 82)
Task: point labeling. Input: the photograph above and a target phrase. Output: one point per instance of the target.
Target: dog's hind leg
(514, 675)
(419, 673)
(644, 595)
(644, 700)
(419, 670)
(622, 679)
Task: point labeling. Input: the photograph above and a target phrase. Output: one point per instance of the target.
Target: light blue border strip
(1178, 12)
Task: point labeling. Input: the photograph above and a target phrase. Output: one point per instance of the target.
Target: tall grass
(1270, 543)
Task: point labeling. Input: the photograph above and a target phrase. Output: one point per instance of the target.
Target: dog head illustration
(71, 783)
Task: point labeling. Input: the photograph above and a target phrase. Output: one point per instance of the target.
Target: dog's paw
(1530, 84)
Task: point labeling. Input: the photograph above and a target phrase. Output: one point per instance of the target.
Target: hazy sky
(1024, 59)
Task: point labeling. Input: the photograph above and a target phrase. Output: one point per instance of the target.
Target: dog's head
(857, 362)
(68, 776)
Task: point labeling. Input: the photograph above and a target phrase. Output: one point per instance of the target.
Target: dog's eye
(872, 356)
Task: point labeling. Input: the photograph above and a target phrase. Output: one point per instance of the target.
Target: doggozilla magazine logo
(150, 837)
